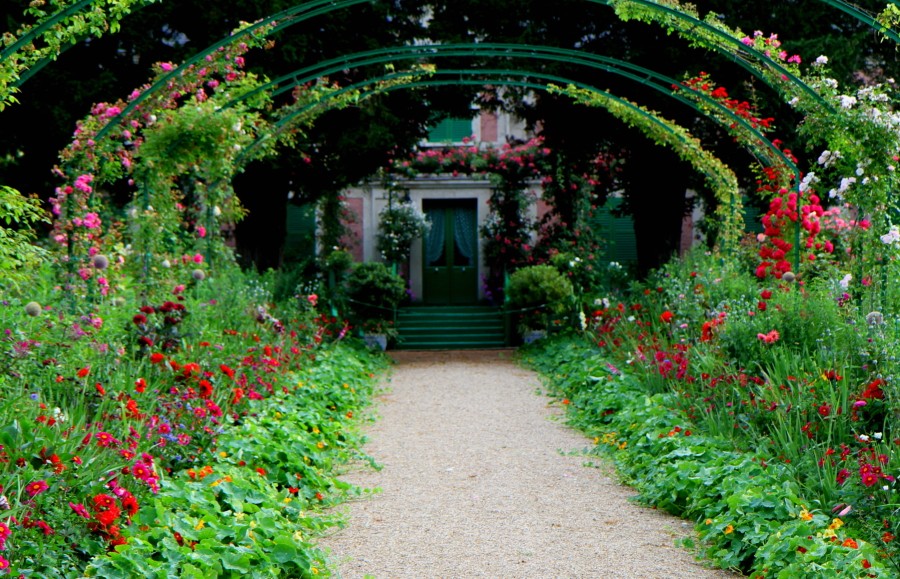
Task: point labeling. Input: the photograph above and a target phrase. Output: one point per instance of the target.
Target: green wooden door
(450, 268)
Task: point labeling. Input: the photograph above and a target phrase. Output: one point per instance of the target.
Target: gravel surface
(482, 479)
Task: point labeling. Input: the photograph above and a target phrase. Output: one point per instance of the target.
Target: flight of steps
(450, 328)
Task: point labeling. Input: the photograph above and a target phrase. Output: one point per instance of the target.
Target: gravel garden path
(482, 479)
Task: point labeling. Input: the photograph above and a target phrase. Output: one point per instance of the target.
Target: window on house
(452, 130)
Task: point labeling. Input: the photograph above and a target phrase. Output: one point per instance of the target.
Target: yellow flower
(623, 445)
(287, 499)
(315, 430)
(804, 514)
(199, 525)
(836, 524)
(320, 444)
(223, 454)
(708, 522)
(314, 571)
(298, 536)
(729, 529)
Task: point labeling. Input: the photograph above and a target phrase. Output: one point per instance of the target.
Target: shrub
(373, 291)
(543, 293)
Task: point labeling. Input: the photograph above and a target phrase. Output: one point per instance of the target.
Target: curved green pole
(499, 77)
(287, 82)
(290, 13)
(730, 40)
(302, 12)
(290, 16)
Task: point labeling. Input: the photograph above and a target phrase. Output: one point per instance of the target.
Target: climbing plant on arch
(755, 53)
(177, 152)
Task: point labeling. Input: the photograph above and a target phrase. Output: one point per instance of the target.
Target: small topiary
(543, 292)
(373, 291)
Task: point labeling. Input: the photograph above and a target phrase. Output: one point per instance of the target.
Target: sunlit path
(475, 485)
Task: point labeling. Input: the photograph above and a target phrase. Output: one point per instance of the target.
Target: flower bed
(195, 437)
(767, 416)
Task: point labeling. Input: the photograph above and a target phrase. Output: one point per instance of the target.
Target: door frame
(452, 284)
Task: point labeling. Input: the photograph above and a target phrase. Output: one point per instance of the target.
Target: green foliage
(398, 226)
(751, 514)
(543, 293)
(237, 483)
(374, 291)
(18, 254)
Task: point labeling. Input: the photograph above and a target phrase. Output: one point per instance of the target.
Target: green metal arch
(302, 12)
(317, 7)
(633, 72)
(457, 77)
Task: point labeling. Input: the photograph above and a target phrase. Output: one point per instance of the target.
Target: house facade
(446, 267)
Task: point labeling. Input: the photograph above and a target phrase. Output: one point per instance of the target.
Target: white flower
(891, 236)
(845, 282)
(793, 101)
(877, 436)
(808, 179)
(822, 60)
(864, 438)
(847, 101)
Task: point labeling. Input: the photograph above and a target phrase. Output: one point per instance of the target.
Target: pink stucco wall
(355, 225)
(489, 130)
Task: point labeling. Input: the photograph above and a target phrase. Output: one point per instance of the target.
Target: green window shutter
(617, 231)
(300, 242)
(452, 130)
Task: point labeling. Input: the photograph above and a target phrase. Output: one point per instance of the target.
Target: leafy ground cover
(765, 411)
(192, 436)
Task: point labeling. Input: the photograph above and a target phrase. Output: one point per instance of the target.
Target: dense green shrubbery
(764, 411)
(543, 294)
(196, 435)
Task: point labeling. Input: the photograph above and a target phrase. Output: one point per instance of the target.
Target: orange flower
(850, 543)
(729, 529)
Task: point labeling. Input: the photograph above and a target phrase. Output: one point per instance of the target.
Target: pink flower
(201, 231)
(769, 338)
(80, 510)
(166, 66)
(91, 221)
(81, 183)
(37, 487)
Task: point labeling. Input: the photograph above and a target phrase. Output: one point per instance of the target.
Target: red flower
(765, 294)
(140, 385)
(842, 476)
(869, 478)
(156, 358)
(103, 502)
(206, 389)
(666, 317)
(37, 487)
(84, 372)
(80, 510)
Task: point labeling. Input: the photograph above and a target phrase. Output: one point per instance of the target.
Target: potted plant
(373, 293)
(540, 295)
